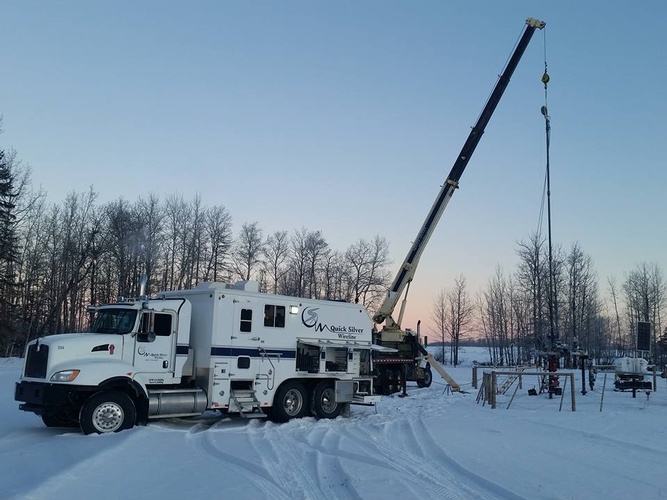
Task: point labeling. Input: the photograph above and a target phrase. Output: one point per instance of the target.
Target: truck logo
(310, 319)
(150, 355)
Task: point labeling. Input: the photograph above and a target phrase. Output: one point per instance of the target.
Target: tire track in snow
(657, 453)
(284, 467)
(342, 486)
(91, 453)
(432, 449)
(637, 454)
(417, 458)
(285, 452)
(201, 438)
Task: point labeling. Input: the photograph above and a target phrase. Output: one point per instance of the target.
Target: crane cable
(545, 112)
(553, 334)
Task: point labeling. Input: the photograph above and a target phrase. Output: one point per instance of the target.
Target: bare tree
(336, 277)
(151, 216)
(193, 245)
(276, 253)
(439, 316)
(613, 292)
(248, 251)
(219, 233)
(580, 321)
(532, 277)
(296, 277)
(498, 305)
(177, 227)
(316, 251)
(121, 242)
(644, 289)
(543, 291)
(72, 230)
(461, 310)
(368, 261)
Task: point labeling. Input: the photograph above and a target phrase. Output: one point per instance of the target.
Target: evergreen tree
(8, 249)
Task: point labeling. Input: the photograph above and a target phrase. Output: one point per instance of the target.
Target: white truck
(215, 347)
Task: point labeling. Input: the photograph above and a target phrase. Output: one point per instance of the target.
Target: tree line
(58, 258)
(544, 307)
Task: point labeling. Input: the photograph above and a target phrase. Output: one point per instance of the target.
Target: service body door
(155, 347)
(246, 340)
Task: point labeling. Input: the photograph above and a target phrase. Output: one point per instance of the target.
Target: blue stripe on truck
(252, 352)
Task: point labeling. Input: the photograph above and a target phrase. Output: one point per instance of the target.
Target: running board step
(246, 403)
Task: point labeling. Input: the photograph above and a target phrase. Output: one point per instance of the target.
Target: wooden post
(494, 389)
(562, 394)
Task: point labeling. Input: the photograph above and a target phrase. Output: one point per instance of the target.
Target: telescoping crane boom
(392, 332)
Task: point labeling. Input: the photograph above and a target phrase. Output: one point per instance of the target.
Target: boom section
(409, 266)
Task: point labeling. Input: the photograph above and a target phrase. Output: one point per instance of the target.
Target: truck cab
(131, 346)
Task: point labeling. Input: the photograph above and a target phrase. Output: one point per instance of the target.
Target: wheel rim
(328, 402)
(427, 377)
(108, 417)
(293, 402)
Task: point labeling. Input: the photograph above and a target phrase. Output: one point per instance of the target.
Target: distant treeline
(57, 258)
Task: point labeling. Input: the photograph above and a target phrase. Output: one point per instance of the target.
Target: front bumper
(42, 397)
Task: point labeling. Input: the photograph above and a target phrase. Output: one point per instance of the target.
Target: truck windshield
(114, 321)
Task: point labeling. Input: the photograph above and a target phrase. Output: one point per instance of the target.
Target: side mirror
(146, 337)
(147, 322)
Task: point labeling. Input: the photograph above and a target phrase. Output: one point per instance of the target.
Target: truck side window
(162, 324)
(246, 320)
(280, 316)
(274, 316)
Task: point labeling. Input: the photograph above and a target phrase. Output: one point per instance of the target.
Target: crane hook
(545, 79)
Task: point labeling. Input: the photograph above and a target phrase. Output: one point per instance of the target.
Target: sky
(429, 445)
(346, 117)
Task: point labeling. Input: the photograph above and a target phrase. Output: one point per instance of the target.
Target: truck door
(155, 353)
(246, 339)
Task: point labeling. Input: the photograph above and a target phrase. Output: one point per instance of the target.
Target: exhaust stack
(143, 282)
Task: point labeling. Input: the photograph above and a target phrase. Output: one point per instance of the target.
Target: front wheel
(289, 402)
(105, 412)
(428, 378)
(324, 401)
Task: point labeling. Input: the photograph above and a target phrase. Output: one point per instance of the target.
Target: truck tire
(289, 402)
(110, 411)
(324, 401)
(428, 378)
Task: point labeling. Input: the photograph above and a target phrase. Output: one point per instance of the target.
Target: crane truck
(410, 360)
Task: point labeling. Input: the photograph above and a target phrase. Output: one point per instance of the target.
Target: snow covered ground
(430, 445)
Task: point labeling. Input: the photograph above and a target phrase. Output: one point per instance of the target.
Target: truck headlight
(65, 376)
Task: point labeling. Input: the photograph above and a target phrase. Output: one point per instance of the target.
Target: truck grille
(36, 360)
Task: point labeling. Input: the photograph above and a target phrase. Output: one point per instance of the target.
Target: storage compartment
(307, 358)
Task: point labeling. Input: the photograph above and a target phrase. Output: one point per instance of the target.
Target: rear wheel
(105, 412)
(324, 401)
(290, 402)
